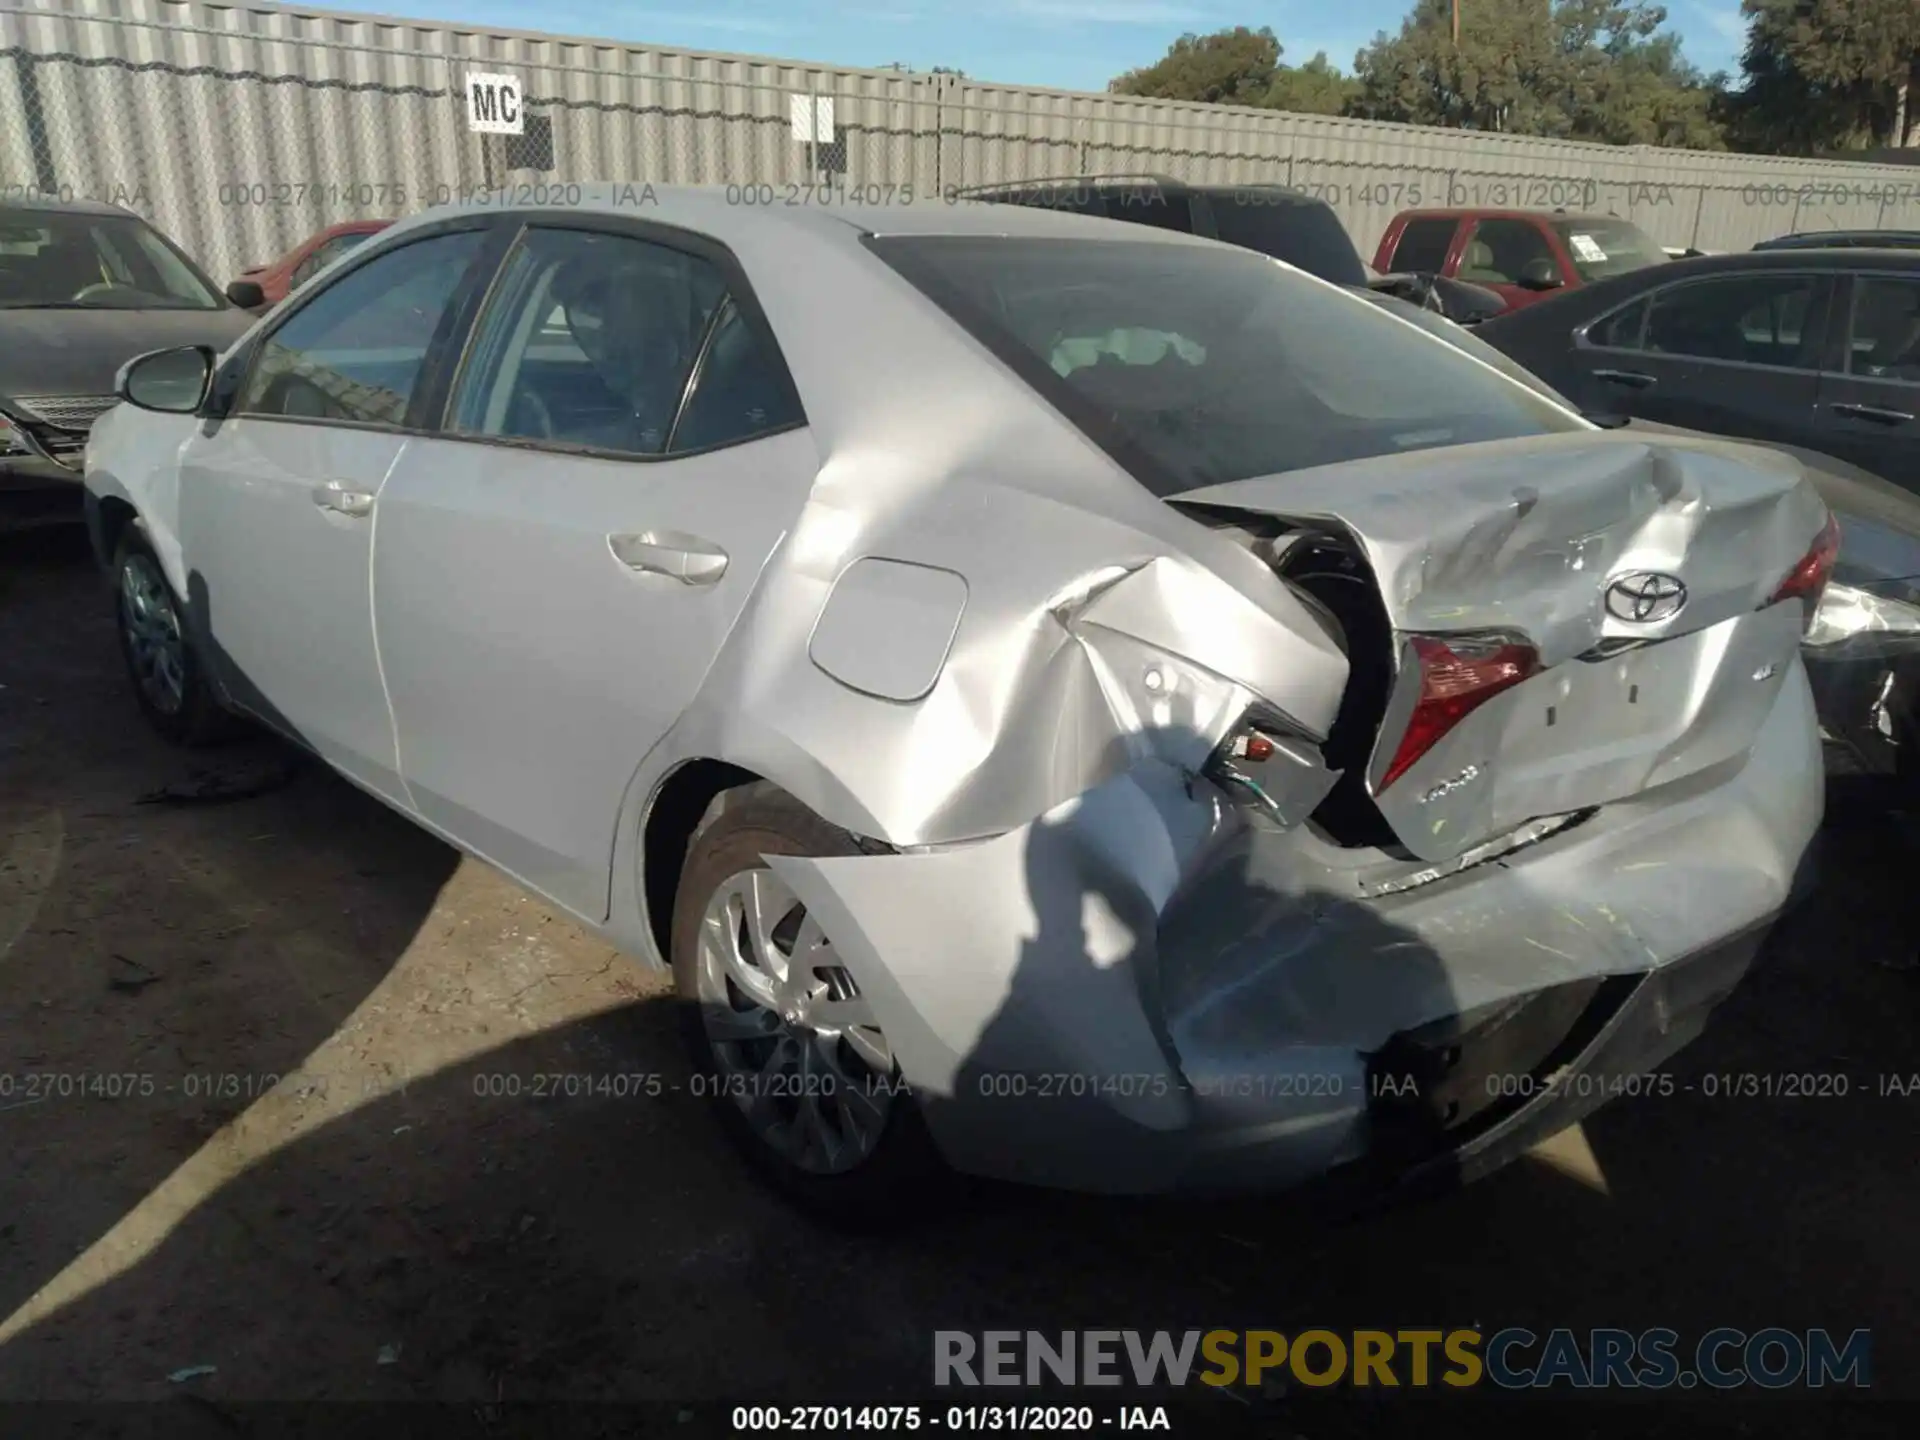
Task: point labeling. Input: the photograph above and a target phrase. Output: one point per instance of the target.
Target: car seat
(1477, 264)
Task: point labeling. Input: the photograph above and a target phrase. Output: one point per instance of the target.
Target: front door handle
(1878, 413)
(341, 500)
(686, 558)
(1632, 379)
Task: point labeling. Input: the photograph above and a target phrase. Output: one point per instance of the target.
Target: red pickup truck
(1523, 255)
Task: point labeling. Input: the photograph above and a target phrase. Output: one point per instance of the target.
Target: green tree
(1315, 88)
(1567, 69)
(1828, 74)
(1229, 67)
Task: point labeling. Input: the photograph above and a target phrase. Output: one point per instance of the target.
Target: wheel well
(671, 821)
(115, 516)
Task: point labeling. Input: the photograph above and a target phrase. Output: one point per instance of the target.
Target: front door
(558, 570)
(278, 504)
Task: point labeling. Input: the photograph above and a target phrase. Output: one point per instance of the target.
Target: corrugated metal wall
(242, 128)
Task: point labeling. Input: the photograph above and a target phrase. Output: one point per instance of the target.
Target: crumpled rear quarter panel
(1083, 1002)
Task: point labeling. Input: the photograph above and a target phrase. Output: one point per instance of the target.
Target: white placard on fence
(813, 119)
(493, 104)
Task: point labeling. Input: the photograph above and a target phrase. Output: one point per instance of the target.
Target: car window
(1883, 340)
(588, 342)
(1499, 251)
(1298, 229)
(1465, 340)
(1622, 329)
(354, 352)
(1602, 248)
(1751, 319)
(742, 389)
(326, 254)
(312, 265)
(1195, 365)
(78, 261)
(1423, 245)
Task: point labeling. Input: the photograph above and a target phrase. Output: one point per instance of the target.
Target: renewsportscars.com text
(1513, 1358)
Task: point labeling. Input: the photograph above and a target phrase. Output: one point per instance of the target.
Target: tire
(169, 679)
(883, 1173)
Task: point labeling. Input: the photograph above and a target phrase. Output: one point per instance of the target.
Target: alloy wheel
(795, 1044)
(151, 624)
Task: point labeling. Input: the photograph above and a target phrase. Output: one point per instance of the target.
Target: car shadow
(161, 960)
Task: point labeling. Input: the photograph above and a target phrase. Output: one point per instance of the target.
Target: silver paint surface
(1057, 889)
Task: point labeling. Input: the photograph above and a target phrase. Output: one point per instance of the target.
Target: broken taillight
(1457, 676)
(1808, 578)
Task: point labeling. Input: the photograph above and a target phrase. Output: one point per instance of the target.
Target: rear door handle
(1632, 379)
(1877, 413)
(338, 498)
(686, 558)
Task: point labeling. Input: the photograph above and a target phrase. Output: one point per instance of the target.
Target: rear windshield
(1298, 229)
(1198, 364)
(1601, 248)
(1465, 340)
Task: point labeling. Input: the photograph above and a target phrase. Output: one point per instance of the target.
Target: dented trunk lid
(1523, 539)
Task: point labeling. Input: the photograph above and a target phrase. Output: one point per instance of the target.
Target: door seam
(373, 619)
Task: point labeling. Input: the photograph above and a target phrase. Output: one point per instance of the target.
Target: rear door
(620, 454)
(1731, 354)
(1869, 393)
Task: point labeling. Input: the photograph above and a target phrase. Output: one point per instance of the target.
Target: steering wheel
(102, 287)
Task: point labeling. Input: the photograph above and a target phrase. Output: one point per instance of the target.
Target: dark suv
(1287, 224)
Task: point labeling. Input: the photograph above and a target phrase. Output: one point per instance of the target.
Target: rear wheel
(782, 1039)
(169, 680)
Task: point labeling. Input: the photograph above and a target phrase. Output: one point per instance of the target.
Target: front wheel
(169, 680)
(782, 1039)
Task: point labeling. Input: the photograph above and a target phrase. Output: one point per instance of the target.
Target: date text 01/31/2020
(837, 1419)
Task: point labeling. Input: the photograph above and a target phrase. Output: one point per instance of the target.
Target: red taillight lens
(1456, 678)
(1808, 579)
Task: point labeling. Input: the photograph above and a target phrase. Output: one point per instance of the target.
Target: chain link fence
(239, 143)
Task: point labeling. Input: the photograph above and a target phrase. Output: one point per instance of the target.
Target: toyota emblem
(1646, 597)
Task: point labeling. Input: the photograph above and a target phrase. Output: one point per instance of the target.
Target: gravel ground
(268, 1075)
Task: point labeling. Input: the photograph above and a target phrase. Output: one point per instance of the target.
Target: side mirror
(1541, 274)
(173, 382)
(1465, 303)
(247, 294)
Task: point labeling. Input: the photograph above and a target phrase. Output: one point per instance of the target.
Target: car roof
(1069, 184)
(1800, 257)
(53, 206)
(1813, 239)
(1507, 212)
(724, 211)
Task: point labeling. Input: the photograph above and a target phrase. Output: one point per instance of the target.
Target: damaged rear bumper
(1149, 989)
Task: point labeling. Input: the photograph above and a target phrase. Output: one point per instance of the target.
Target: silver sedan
(1069, 702)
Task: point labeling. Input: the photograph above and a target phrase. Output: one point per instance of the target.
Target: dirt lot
(302, 1002)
